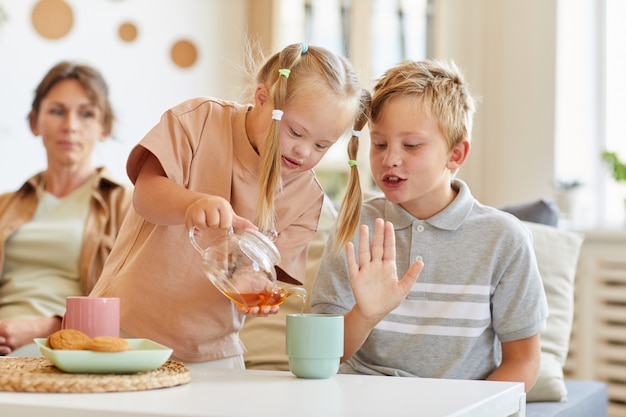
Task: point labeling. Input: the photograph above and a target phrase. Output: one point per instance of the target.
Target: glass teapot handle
(192, 239)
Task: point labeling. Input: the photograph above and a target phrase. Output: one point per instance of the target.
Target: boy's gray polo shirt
(480, 285)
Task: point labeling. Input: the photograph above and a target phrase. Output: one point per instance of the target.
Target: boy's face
(410, 159)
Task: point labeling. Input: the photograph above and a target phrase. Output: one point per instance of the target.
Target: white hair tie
(356, 133)
(277, 114)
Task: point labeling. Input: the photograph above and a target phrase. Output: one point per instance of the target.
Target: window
(380, 32)
(398, 28)
(590, 102)
(615, 101)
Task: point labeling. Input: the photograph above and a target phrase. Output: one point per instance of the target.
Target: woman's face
(70, 125)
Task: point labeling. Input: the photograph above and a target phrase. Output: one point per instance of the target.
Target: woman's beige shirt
(109, 204)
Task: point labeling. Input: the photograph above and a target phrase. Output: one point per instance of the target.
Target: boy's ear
(459, 155)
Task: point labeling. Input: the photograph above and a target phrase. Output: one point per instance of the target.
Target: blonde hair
(350, 208)
(311, 70)
(442, 90)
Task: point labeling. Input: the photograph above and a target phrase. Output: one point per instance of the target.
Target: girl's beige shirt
(165, 296)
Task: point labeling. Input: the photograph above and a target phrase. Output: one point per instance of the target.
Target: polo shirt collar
(450, 218)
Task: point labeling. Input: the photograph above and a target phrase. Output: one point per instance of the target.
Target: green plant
(618, 168)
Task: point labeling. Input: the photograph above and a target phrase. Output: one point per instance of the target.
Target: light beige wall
(143, 80)
(507, 50)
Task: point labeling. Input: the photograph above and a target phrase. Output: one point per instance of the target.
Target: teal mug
(314, 344)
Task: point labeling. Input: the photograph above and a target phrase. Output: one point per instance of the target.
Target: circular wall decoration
(184, 53)
(52, 19)
(127, 32)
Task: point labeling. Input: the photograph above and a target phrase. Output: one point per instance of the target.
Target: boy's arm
(520, 362)
(374, 281)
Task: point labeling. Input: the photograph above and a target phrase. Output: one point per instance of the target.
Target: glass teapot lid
(258, 247)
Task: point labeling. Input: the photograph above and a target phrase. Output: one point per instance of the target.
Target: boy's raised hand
(374, 279)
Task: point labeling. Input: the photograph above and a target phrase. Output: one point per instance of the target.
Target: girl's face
(69, 124)
(410, 159)
(308, 129)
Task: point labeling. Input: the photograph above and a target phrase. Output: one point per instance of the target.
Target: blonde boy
(478, 306)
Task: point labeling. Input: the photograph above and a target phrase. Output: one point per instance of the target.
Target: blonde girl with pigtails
(214, 164)
(277, 72)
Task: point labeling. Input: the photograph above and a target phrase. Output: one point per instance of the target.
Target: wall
(507, 50)
(143, 79)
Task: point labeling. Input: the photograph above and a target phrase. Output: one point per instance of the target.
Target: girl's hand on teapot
(214, 211)
(259, 311)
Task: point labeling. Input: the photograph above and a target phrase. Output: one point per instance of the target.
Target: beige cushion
(557, 253)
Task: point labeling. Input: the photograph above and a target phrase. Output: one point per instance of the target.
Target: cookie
(68, 339)
(107, 344)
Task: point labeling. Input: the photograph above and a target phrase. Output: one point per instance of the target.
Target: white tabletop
(277, 394)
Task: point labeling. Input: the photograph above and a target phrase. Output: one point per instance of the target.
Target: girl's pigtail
(270, 180)
(350, 208)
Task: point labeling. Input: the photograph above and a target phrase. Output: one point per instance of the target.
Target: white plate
(143, 355)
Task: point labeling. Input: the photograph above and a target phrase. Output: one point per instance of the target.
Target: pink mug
(94, 316)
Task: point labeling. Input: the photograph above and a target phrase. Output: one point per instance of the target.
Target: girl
(214, 164)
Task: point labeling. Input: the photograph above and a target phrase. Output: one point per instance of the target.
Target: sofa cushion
(557, 253)
(539, 211)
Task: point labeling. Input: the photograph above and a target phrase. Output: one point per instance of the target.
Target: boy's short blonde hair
(441, 88)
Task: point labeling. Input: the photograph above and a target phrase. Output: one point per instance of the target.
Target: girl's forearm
(162, 201)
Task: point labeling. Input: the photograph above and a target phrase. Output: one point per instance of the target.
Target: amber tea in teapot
(271, 298)
(242, 266)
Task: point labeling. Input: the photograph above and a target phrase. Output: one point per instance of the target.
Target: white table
(277, 394)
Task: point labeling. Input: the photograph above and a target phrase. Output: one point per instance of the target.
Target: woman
(58, 228)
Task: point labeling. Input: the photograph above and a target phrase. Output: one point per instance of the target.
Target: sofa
(557, 253)
(584, 399)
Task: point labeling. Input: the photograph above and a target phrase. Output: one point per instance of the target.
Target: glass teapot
(242, 266)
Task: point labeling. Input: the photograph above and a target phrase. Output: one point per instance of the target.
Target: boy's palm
(374, 279)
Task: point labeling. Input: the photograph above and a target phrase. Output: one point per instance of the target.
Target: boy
(478, 306)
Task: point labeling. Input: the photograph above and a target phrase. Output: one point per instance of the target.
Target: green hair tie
(284, 72)
(353, 162)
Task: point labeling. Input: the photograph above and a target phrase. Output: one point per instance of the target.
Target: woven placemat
(40, 375)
